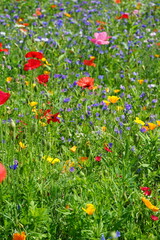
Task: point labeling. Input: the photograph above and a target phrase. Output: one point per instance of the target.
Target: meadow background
(65, 146)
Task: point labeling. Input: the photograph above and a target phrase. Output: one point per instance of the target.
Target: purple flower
(142, 95)
(66, 100)
(71, 169)
(154, 101)
(128, 106)
(118, 234)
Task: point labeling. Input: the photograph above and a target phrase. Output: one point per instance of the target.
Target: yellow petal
(150, 205)
(32, 104)
(137, 120)
(73, 149)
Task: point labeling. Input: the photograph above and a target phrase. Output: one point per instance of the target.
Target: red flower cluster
(4, 97)
(33, 63)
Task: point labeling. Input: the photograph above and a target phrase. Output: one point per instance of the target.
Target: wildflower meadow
(79, 119)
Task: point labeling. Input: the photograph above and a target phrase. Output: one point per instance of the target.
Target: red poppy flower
(125, 15)
(3, 172)
(4, 49)
(4, 97)
(43, 79)
(107, 149)
(154, 218)
(32, 64)
(98, 158)
(37, 55)
(146, 190)
(53, 118)
(117, 1)
(89, 63)
(86, 82)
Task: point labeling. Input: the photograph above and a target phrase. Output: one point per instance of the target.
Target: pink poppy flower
(98, 158)
(154, 218)
(101, 38)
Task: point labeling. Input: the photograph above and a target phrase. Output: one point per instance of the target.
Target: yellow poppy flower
(103, 128)
(117, 90)
(22, 145)
(140, 81)
(137, 120)
(32, 104)
(90, 209)
(73, 149)
(67, 15)
(150, 205)
(113, 99)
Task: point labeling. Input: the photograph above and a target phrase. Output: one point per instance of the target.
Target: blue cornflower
(14, 166)
(66, 100)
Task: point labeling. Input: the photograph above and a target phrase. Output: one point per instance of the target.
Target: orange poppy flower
(38, 12)
(19, 236)
(53, 6)
(86, 82)
(117, 1)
